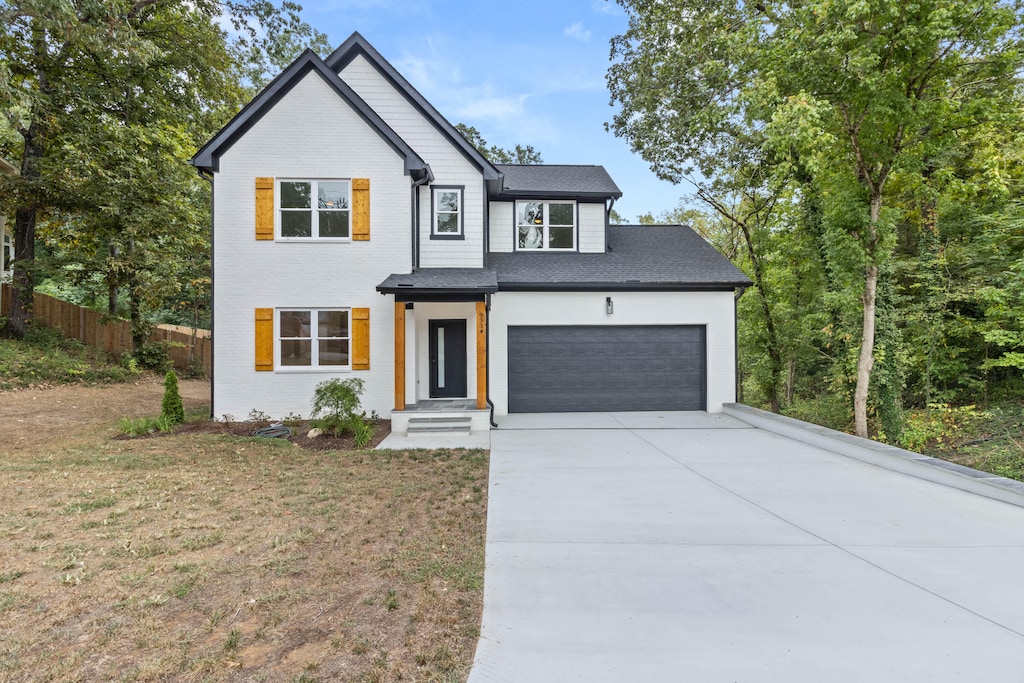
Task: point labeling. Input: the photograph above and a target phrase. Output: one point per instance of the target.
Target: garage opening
(589, 368)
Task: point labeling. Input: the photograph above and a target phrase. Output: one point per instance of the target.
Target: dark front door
(447, 358)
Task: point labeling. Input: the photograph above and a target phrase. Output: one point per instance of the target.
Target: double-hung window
(313, 338)
(546, 225)
(314, 209)
(447, 211)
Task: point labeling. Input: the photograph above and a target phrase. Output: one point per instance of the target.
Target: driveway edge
(883, 455)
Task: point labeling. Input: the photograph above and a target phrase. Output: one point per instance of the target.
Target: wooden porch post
(481, 355)
(399, 355)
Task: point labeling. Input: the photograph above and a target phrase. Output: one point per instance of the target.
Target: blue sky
(525, 71)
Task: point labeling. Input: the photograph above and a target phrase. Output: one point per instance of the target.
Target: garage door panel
(598, 368)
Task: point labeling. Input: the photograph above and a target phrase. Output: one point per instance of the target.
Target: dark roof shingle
(639, 257)
(441, 281)
(550, 180)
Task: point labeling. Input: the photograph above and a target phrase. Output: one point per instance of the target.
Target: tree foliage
(108, 101)
(520, 154)
(853, 113)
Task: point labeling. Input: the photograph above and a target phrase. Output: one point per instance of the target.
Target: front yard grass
(212, 557)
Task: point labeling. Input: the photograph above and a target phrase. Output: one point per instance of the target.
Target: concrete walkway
(687, 547)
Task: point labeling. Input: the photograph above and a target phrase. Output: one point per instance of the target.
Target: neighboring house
(358, 234)
(6, 240)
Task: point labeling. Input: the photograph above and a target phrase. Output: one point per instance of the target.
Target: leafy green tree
(853, 93)
(173, 78)
(520, 154)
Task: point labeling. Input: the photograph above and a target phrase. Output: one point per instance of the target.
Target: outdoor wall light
(608, 307)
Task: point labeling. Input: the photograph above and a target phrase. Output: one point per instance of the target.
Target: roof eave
(549, 194)
(621, 286)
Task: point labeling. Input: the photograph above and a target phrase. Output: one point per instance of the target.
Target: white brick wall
(449, 165)
(311, 133)
(713, 309)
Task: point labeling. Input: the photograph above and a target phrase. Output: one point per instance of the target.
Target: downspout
(736, 339)
(208, 177)
(487, 358)
(427, 177)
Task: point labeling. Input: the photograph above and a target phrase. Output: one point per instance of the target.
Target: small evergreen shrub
(153, 356)
(172, 408)
(336, 409)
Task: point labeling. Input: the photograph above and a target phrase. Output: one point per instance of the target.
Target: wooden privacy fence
(115, 337)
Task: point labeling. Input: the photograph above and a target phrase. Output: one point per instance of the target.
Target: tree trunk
(112, 292)
(23, 279)
(774, 356)
(866, 360)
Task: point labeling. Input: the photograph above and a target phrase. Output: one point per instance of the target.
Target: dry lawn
(206, 557)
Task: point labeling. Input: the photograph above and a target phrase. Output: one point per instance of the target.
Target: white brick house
(358, 234)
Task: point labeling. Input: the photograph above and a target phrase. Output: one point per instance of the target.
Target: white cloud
(578, 32)
(604, 7)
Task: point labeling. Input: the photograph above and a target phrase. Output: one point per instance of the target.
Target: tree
(852, 93)
(523, 155)
(173, 71)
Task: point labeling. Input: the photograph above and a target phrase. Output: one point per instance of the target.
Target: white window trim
(314, 367)
(434, 233)
(545, 232)
(314, 222)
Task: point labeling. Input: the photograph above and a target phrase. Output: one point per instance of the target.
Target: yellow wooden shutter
(360, 338)
(361, 209)
(264, 208)
(264, 339)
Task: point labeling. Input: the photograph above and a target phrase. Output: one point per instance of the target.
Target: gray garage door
(599, 368)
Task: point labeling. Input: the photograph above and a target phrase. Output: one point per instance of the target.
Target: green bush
(940, 426)
(45, 356)
(172, 408)
(336, 409)
(153, 356)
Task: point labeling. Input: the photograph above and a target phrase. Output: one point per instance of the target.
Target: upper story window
(546, 225)
(447, 212)
(314, 209)
(313, 338)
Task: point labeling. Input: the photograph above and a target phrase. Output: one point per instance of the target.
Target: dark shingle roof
(556, 180)
(441, 281)
(642, 257)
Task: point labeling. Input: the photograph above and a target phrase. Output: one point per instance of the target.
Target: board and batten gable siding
(713, 309)
(590, 231)
(309, 133)
(448, 164)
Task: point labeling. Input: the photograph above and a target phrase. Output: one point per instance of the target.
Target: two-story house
(356, 233)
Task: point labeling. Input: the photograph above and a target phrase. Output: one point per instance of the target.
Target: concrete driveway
(688, 547)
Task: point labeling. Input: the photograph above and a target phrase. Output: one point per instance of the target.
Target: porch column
(399, 355)
(481, 355)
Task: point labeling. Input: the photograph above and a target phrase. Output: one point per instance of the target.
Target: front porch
(440, 351)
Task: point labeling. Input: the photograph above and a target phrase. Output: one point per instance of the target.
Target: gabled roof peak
(356, 45)
(208, 158)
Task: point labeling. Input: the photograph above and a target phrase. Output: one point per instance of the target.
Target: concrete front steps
(439, 417)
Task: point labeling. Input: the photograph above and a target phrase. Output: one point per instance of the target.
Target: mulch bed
(324, 442)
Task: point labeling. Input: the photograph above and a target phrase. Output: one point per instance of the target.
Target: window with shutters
(314, 209)
(313, 338)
